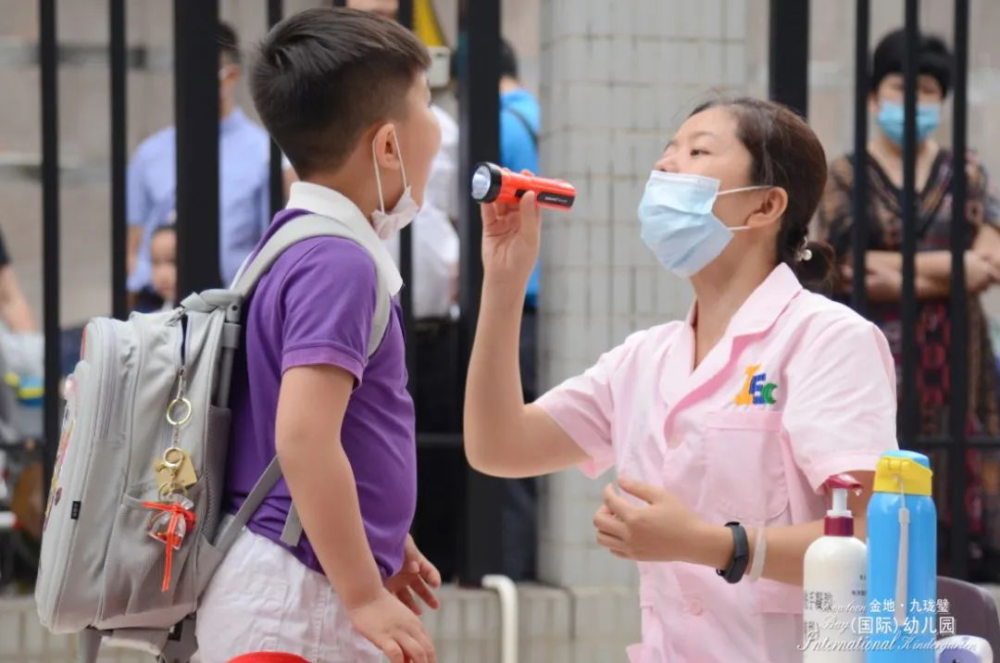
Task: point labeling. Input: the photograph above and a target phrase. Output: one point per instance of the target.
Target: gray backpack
(132, 530)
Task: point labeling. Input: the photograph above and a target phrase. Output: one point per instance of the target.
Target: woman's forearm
(494, 403)
(931, 265)
(786, 548)
(503, 436)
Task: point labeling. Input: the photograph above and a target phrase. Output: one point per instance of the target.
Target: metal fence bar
(50, 226)
(910, 412)
(957, 468)
(275, 12)
(405, 13)
(405, 17)
(789, 55)
(196, 91)
(859, 192)
(119, 155)
(479, 140)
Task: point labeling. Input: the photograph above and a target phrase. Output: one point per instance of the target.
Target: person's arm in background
(311, 407)
(137, 206)
(982, 261)
(14, 309)
(884, 278)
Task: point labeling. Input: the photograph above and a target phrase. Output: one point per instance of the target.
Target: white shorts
(263, 599)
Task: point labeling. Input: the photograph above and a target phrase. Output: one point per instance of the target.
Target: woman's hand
(418, 575)
(511, 236)
(662, 529)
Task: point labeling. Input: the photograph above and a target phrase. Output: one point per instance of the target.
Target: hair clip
(804, 254)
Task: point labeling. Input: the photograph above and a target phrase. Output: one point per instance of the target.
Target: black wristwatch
(741, 555)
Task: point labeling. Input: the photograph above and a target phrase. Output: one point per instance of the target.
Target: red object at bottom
(269, 657)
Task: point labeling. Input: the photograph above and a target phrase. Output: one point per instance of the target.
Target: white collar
(327, 202)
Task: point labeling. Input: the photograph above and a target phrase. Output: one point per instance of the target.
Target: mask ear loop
(378, 177)
(745, 188)
(402, 166)
(756, 187)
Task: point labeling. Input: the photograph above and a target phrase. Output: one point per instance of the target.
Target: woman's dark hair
(786, 153)
(933, 58)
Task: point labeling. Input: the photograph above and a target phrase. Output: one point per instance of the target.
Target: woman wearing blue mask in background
(935, 168)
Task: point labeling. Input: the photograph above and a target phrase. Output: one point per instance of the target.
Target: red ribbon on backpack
(180, 517)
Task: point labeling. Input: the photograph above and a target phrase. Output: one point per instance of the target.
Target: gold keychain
(175, 470)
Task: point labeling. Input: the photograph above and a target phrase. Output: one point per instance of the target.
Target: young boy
(345, 96)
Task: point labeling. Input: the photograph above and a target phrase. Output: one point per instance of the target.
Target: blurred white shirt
(435, 240)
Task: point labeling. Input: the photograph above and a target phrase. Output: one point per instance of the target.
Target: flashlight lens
(480, 183)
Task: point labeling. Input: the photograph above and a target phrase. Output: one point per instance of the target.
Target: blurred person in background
(244, 190)
(935, 168)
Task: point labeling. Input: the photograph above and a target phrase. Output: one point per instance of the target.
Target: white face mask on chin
(387, 224)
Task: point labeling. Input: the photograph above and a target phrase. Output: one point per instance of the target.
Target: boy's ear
(384, 145)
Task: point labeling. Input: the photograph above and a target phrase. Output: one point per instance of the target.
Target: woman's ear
(771, 208)
(384, 146)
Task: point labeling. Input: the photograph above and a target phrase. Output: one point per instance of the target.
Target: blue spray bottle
(902, 561)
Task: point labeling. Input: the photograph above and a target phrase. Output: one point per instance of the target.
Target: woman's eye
(696, 152)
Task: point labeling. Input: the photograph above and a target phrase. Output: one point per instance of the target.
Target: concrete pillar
(616, 79)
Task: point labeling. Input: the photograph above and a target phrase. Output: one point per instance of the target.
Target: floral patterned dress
(933, 332)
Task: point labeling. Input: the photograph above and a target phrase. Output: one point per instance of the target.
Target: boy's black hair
(229, 42)
(324, 76)
(508, 59)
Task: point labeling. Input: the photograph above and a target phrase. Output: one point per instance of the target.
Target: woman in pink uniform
(722, 427)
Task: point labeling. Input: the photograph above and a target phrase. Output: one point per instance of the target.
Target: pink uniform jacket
(799, 388)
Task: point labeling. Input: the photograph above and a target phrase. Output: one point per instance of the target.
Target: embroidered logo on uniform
(756, 389)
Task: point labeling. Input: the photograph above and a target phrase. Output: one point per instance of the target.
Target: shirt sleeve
(841, 410)
(136, 199)
(583, 406)
(328, 303)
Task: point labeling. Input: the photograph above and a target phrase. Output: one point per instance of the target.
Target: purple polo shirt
(315, 307)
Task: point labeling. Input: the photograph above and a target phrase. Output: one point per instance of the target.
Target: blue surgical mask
(677, 221)
(890, 120)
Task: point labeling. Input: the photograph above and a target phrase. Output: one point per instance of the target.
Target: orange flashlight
(491, 183)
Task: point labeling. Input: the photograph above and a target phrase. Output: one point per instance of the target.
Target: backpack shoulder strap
(307, 227)
(520, 117)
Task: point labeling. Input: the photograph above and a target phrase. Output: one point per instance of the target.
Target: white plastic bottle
(834, 585)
